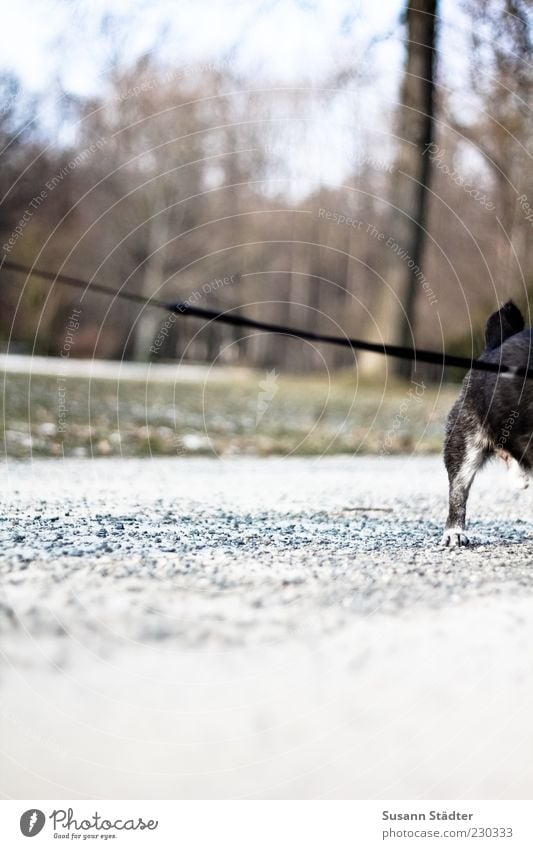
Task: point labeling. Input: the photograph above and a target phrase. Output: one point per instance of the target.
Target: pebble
(277, 552)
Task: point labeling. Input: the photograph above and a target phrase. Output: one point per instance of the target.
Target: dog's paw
(454, 538)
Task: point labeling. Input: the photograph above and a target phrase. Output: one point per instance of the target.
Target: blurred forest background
(206, 182)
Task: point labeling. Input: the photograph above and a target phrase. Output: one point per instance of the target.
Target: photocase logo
(32, 822)
(269, 388)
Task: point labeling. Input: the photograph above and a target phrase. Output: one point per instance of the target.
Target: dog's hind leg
(464, 454)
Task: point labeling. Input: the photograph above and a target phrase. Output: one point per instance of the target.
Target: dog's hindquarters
(492, 415)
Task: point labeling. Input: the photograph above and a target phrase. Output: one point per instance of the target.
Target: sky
(285, 40)
(70, 45)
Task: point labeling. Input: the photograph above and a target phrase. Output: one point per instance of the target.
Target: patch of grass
(252, 413)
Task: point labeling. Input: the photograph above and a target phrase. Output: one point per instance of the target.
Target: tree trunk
(403, 243)
(150, 319)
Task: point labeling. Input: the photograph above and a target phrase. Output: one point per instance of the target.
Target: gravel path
(265, 628)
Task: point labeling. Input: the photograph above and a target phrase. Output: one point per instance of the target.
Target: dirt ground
(266, 628)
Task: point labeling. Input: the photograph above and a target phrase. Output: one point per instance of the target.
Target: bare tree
(395, 312)
(501, 76)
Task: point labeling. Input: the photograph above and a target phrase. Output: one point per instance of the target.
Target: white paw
(454, 538)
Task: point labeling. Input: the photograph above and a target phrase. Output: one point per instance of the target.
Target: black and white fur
(493, 416)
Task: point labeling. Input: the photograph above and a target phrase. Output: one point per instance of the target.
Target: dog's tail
(503, 324)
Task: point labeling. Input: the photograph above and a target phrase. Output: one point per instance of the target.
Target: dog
(493, 416)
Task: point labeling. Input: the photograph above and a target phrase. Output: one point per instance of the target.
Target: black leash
(183, 308)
